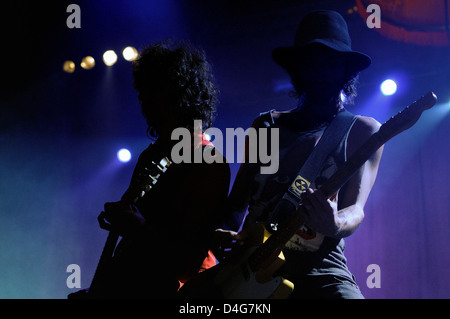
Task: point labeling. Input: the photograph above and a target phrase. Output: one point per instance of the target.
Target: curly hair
(182, 69)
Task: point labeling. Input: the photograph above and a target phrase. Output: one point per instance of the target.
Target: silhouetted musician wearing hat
(324, 70)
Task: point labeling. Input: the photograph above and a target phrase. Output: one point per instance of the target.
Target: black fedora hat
(326, 28)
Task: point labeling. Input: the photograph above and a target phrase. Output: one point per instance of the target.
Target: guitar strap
(329, 141)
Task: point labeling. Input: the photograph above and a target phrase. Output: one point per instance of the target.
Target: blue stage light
(124, 155)
(388, 87)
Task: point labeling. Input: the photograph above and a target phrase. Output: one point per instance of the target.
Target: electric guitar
(143, 182)
(249, 273)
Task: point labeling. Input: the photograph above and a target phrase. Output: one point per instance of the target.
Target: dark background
(59, 132)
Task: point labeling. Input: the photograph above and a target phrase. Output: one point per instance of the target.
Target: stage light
(124, 155)
(109, 57)
(388, 87)
(87, 62)
(69, 66)
(129, 53)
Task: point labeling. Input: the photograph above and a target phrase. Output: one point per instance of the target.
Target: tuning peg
(165, 162)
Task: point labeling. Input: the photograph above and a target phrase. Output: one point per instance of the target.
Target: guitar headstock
(406, 118)
(145, 180)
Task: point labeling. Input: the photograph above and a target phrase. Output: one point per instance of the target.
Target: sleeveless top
(267, 189)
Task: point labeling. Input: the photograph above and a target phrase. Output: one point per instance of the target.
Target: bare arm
(322, 213)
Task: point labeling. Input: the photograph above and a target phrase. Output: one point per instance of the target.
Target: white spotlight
(124, 155)
(129, 53)
(388, 87)
(109, 57)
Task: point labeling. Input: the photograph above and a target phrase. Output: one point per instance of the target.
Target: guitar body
(235, 279)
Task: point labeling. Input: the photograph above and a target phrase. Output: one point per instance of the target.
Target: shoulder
(264, 119)
(363, 128)
(271, 117)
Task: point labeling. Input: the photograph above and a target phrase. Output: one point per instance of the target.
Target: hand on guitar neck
(123, 217)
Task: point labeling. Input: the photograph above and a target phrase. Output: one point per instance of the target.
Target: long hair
(349, 90)
(182, 69)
